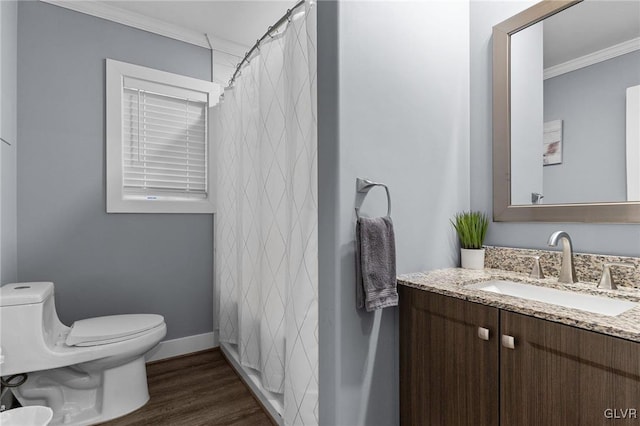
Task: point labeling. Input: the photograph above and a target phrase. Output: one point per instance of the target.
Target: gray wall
(8, 132)
(399, 114)
(594, 238)
(329, 262)
(591, 102)
(101, 263)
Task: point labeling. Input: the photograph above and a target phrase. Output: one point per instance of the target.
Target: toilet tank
(25, 293)
(29, 325)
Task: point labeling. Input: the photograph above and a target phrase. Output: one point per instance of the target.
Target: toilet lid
(114, 328)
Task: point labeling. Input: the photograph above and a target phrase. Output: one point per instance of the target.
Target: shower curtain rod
(272, 28)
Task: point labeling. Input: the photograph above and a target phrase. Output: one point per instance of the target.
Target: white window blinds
(164, 144)
(158, 155)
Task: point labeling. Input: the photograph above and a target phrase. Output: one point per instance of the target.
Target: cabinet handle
(508, 342)
(483, 333)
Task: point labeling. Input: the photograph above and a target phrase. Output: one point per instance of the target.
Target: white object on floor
(33, 416)
(89, 373)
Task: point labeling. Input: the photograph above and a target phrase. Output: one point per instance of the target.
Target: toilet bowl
(88, 373)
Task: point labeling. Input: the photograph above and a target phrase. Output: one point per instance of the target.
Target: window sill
(161, 206)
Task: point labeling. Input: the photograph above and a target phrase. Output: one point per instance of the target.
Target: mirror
(567, 113)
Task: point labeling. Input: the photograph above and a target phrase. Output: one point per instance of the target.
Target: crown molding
(593, 58)
(101, 9)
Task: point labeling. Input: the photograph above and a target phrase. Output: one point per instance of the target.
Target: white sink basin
(569, 299)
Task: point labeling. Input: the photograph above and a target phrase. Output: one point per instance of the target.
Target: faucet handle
(606, 280)
(536, 269)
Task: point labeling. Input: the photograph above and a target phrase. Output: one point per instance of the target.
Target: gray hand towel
(375, 263)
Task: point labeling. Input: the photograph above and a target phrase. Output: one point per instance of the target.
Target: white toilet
(88, 373)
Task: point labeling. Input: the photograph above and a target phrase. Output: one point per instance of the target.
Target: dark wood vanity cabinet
(554, 374)
(448, 374)
(561, 375)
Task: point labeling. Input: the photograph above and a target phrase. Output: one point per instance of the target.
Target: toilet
(88, 373)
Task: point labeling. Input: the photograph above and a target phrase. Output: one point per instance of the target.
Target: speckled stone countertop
(452, 281)
(588, 266)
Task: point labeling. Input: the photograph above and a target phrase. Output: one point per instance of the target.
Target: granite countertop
(451, 282)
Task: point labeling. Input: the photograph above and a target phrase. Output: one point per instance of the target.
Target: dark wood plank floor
(199, 389)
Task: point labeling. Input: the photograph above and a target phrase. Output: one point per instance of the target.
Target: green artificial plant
(471, 228)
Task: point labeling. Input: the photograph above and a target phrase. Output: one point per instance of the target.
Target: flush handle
(508, 342)
(483, 333)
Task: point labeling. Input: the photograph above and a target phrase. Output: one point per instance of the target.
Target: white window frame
(117, 201)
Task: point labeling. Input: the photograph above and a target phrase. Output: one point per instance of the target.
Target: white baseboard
(183, 346)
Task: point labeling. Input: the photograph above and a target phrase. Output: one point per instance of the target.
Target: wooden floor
(200, 389)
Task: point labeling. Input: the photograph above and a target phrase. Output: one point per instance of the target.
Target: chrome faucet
(567, 270)
(606, 280)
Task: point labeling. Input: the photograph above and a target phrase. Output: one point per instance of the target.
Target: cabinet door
(448, 374)
(561, 375)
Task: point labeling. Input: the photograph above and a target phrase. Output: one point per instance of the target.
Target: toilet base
(88, 393)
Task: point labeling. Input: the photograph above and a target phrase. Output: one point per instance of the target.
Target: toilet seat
(111, 329)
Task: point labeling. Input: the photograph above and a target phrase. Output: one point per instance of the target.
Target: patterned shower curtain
(266, 235)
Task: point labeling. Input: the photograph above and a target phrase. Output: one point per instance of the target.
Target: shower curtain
(266, 222)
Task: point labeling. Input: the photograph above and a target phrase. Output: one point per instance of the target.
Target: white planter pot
(472, 258)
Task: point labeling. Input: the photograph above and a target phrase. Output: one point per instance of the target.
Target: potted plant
(471, 228)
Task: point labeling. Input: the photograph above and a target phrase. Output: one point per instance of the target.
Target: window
(158, 152)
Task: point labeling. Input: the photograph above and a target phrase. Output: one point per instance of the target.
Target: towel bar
(364, 185)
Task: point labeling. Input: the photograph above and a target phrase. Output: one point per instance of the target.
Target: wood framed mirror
(515, 199)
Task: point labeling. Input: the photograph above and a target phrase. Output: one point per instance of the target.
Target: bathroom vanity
(495, 347)
(470, 356)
